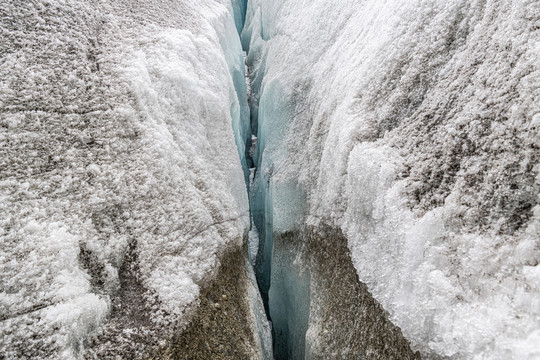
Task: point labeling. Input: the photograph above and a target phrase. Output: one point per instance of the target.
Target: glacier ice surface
(121, 125)
(411, 126)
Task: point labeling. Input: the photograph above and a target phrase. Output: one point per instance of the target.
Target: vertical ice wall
(229, 40)
(289, 297)
(120, 176)
(412, 127)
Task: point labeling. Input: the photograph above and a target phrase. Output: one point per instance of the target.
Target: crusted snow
(412, 126)
(117, 129)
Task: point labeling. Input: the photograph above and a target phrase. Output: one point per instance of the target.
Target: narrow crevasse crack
(260, 239)
(259, 249)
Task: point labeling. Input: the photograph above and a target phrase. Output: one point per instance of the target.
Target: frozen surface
(117, 130)
(413, 127)
(289, 300)
(264, 326)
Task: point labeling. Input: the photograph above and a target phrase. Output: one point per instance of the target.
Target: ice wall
(289, 298)
(116, 139)
(412, 126)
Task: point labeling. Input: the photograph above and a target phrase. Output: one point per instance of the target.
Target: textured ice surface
(413, 127)
(262, 324)
(289, 300)
(115, 131)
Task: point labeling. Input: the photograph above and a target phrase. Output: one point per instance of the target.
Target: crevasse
(287, 302)
(245, 128)
(276, 204)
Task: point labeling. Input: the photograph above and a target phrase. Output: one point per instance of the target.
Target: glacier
(270, 179)
(409, 129)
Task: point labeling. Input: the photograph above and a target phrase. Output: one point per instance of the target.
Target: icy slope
(412, 126)
(115, 134)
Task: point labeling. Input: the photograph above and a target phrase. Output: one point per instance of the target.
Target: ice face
(412, 128)
(234, 57)
(125, 122)
(289, 299)
(239, 13)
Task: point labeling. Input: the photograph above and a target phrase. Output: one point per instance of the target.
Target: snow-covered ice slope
(117, 125)
(413, 126)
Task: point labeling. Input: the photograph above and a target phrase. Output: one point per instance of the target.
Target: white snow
(411, 125)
